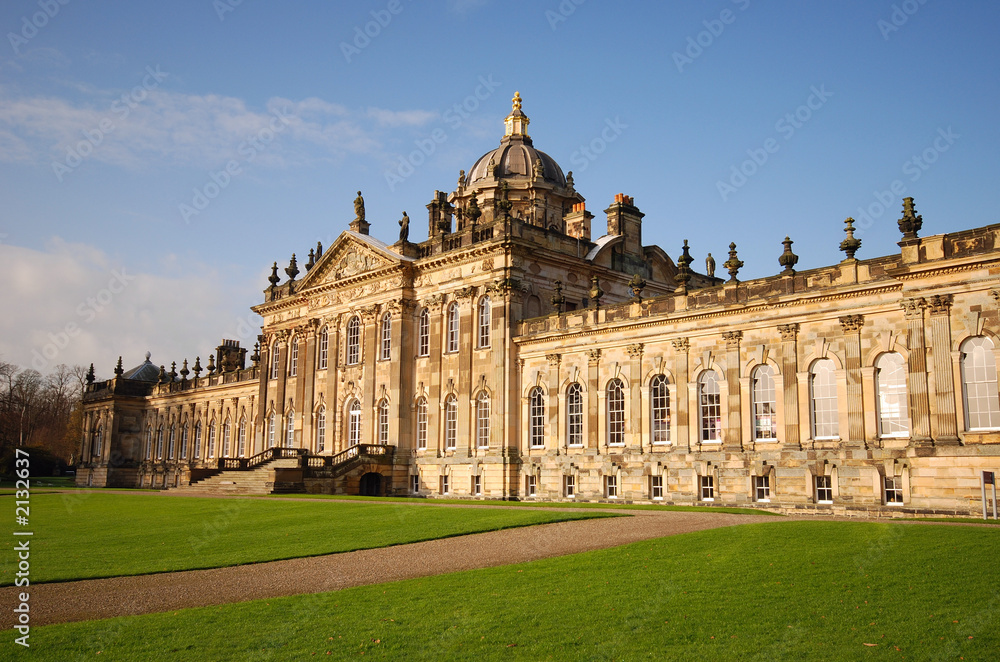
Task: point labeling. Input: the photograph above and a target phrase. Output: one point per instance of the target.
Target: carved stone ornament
(353, 262)
(593, 356)
(553, 359)
(995, 293)
(466, 292)
(788, 331)
(681, 344)
(434, 301)
(851, 323)
(368, 313)
(733, 338)
(635, 351)
(940, 304)
(913, 308)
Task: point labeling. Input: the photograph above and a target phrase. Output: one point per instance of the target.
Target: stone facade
(511, 356)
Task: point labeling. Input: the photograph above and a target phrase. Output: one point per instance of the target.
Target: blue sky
(114, 115)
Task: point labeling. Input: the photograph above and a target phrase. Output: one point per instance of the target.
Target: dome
(516, 157)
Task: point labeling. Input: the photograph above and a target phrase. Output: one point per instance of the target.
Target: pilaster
(790, 384)
(851, 325)
(734, 427)
(944, 386)
(919, 393)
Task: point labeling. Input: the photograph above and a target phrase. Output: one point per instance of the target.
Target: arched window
(321, 430)
(226, 438)
(574, 415)
(159, 443)
(149, 443)
(241, 436)
(709, 406)
(659, 403)
(354, 424)
(270, 430)
(424, 333)
(386, 349)
(171, 442)
(211, 440)
(354, 341)
(765, 420)
(323, 357)
(383, 422)
(453, 327)
(98, 440)
(290, 431)
(483, 315)
(197, 441)
(979, 384)
(184, 442)
(293, 357)
(893, 405)
(450, 422)
(483, 420)
(823, 399)
(275, 360)
(616, 412)
(422, 423)
(536, 418)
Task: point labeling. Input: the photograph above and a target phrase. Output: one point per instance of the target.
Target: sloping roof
(146, 372)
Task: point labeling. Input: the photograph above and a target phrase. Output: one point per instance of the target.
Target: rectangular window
(293, 361)
(656, 487)
(824, 489)
(569, 486)
(415, 484)
(532, 486)
(762, 488)
(444, 485)
(893, 491)
(184, 443)
(611, 487)
(422, 425)
(477, 485)
(707, 488)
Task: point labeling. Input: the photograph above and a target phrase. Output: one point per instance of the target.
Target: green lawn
(536, 504)
(763, 591)
(90, 534)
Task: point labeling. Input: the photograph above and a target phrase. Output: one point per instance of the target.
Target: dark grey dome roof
(516, 158)
(146, 372)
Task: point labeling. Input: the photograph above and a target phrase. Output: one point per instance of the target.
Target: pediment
(351, 255)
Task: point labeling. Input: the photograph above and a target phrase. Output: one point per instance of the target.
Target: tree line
(41, 412)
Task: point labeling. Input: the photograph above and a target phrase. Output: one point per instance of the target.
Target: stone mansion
(514, 355)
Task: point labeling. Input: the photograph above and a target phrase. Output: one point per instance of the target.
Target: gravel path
(125, 596)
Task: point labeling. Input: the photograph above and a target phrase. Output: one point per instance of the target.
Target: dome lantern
(517, 122)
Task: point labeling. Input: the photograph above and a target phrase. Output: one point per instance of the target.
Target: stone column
(401, 370)
(307, 377)
(466, 343)
(734, 432)
(552, 407)
(593, 406)
(790, 384)
(279, 391)
(369, 355)
(634, 441)
(944, 382)
(919, 398)
(682, 399)
(851, 325)
(435, 410)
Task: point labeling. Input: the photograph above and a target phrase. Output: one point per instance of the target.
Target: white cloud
(76, 304)
(148, 127)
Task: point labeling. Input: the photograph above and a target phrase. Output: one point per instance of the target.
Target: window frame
(892, 490)
(656, 488)
(823, 486)
(483, 406)
(385, 346)
(227, 432)
(569, 486)
(763, 404)
(453, 328)
(241, 438)
(422, 423)
(450, 422)
(424, 333)
(611, 486)
(484, 320)
(172, 441)
(762, 488)
(212, 434)
(574, 415)
(293, 357)
(323, 355)
(817, 398)
(275, 360)
(531, 486)
(709, 425)
(290, 429)
(885, 394)
(352, 350)
(536, 418)
(615, 413)
(659, 410)
(271, 429)
(982, 347)
(383, 422)
(354, 423)
(706, 485)
(321, 429)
